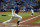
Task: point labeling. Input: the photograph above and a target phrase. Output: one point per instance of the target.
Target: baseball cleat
(31, 15)
(18, 25)
(4, 24)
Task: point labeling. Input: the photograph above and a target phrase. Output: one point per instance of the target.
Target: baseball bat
(7, 15)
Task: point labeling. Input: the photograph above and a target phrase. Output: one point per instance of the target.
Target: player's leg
(19, 19)
(10, 20)
(17, 16)
(32, 14)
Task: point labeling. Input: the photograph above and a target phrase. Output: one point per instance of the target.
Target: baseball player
(24, 9)
(14, 15)
(32, 12)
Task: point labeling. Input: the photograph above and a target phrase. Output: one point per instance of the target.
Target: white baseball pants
(11, 19)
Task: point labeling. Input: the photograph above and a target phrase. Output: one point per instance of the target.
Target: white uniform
(24, 8)
(32, 11)
(13, 16)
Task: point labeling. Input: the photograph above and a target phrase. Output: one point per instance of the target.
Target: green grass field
(37, 21)
(4, 18)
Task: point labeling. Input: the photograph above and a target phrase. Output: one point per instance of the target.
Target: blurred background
(23, 5)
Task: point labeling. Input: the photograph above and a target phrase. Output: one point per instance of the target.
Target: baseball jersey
(32, 11)
(16, 10)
